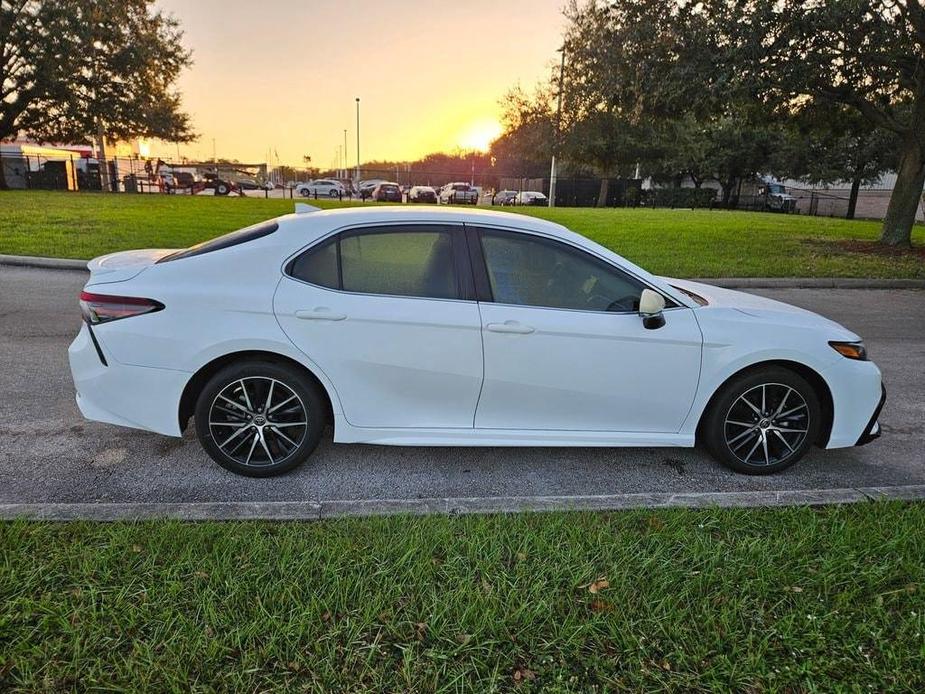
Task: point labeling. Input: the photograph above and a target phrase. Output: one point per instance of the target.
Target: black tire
(332, 194)
(256, 374)
(758, 437)
(221, 189)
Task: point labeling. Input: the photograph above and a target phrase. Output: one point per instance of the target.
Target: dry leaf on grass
(522, 674)
(596, 586)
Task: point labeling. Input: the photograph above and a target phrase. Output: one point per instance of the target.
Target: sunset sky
(283, 75)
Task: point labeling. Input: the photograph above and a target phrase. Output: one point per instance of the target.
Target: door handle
(510, 326)
(320, 313)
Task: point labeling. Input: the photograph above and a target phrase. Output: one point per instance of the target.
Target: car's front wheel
(259, 418)
(762, 421)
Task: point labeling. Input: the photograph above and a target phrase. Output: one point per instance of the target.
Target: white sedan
(433, 326)
(322, 188)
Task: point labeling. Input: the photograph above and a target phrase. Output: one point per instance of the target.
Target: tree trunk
(727, 192)
(907, 194)
(853, 197)
(602, 194)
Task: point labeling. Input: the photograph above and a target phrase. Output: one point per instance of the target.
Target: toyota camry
(449, 327)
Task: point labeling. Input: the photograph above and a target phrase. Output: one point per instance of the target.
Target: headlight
(851, 350)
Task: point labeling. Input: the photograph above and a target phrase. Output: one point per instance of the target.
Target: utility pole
(553, 169)
(345, 152)
(358, 140)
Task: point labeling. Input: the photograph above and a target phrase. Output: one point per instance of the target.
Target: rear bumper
(130, 396)
(873, 426)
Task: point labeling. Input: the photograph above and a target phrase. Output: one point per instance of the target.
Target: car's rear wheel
(259, 418)
(305, 192)
(332, 194)
(762, 421)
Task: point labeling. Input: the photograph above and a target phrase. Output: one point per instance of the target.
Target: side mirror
(651, 305)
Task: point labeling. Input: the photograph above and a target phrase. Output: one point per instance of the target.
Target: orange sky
(283, 75)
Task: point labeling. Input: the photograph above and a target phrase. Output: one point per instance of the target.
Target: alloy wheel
(766, 424)
(258, 421)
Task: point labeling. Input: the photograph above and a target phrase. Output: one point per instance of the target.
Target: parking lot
(49, 454)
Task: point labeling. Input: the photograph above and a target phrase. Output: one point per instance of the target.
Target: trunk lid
(123, 265)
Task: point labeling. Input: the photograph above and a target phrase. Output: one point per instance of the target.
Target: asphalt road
(48, 453)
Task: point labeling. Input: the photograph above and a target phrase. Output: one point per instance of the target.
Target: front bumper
(873, 426)
(132, 396)
(857, 389)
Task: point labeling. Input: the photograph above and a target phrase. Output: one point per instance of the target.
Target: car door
(388, 314)
(565, 347)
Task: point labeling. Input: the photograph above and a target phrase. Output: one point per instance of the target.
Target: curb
(725, 282)
(46, 263)
(315, 510)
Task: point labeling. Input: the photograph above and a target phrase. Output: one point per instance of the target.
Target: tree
(832, 143)
(75, 70)
(726, 149)
(525, 147)
(639, 90)
(867, 56)
(650, 60)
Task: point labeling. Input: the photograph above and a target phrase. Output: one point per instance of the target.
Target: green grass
(680, 243)
(796, 599)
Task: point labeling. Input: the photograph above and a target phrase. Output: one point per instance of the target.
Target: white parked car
(442, 326)
(531, 197)
(458, 194)
(322, 188)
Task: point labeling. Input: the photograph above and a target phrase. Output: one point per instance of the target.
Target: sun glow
(479, 135)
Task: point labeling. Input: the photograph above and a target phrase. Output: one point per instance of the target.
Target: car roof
(346, 216)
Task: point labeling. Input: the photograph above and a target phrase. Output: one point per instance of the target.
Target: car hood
(761, 309)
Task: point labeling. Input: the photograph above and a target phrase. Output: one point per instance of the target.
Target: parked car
(365, 188)
(321, 188)
(458, 194)
(425, 326)
(422, 194)
(531, 197)
(248, 184)
(270, 185)
(504, 197)
(776, 198)
(387, 192)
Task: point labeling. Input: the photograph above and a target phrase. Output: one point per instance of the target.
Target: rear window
(235, 238)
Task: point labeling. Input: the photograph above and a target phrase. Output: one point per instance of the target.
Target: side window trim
(462, 266)
(480, 266)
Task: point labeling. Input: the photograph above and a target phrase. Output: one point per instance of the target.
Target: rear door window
(413, 261)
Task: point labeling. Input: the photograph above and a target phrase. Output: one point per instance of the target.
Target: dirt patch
(859, 247)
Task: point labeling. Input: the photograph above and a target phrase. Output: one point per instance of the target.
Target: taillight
(102, 308)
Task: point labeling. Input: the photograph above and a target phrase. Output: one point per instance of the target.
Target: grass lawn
(796, 599)
(682, 243)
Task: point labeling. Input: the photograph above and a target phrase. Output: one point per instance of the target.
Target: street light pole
(553, 169)
(358, 139)
(345, 152)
